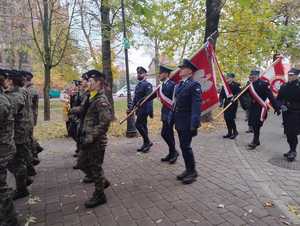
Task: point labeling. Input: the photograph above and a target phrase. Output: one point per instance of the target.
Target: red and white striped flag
(276, 75)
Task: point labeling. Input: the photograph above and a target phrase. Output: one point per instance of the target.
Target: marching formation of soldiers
(18, 148)
(90, 115)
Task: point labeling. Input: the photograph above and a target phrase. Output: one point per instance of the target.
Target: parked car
(54, 93)
(123, 91)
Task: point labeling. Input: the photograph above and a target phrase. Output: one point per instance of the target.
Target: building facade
(15, 35)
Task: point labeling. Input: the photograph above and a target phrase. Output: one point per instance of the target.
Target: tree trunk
(47, 72)
(106, 48)
(213, 10)
(156, 60)
(47, 56)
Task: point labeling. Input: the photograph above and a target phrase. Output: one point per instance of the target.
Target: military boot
(228, 135)
(292, 156)
(35, 161)
(18, 194)
(234, 135)
(96, 200)
(106, 183)
(29, 181)
(190, 177)
(31, 171)
(88, 180)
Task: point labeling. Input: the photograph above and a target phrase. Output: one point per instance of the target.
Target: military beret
(14, 74)
(254, 72)
(4, 72)
(27, 74)
(95, 74)
(230, 75)
(141, 70)
(188, 64)
(294, 71)
(165, 69)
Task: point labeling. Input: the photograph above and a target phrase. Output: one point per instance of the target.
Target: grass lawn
(55, 128)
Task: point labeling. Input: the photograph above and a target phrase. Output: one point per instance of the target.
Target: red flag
(275, 75)
(227, 89)
(206, 76)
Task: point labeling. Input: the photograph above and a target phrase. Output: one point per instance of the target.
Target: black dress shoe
(182, 175)
(233, 136)
(227, 136)
(190, 177)
(166, 159)
(249, 131)
(292, 156)
(287, 154)
(147, 147)
(18, 194)
(252, 145)
(141, 148)
(173, 158)
(96, 200)
(76, 167)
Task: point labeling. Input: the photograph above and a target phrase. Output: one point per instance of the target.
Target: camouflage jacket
(34, 101)
(7, 145)
(20, 111)
(97, 118)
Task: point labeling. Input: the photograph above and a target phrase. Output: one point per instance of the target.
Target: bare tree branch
(34, 33)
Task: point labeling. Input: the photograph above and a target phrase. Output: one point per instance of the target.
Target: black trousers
(292, 139)
(167, 134)
(185, 140)
(141, 126)
(231, 126)
(256, 134)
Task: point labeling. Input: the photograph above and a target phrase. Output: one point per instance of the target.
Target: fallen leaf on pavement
(221, 206)
(294, 209)
(159, 221)
(250, 211)
(70, 196)
(282, 217)
(286, 222)
(268, 204)
(77, 208)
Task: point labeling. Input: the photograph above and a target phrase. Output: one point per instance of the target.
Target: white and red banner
(206, 75)
(276, 75)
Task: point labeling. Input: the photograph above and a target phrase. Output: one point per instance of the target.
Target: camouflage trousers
(90, 160)
(18, 166)
(8, 216)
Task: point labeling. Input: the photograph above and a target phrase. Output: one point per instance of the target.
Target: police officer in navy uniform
(165, 94)
(255, 110)
(230, 113)
(186, 114)
(142, 90)
(289, 98)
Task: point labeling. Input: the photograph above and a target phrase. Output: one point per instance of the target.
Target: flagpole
(155, 90)
(244, 90)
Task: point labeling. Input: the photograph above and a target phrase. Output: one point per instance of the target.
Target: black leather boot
(190, 177)
(18, 194)
(96, 200)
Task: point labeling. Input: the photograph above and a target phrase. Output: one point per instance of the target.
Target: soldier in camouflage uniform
(93, 136)
(35, 146)
(18, 165)
(8, 216)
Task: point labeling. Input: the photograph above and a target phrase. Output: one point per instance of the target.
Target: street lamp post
(131, 130)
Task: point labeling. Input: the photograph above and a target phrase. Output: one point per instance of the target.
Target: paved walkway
(232, 187)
